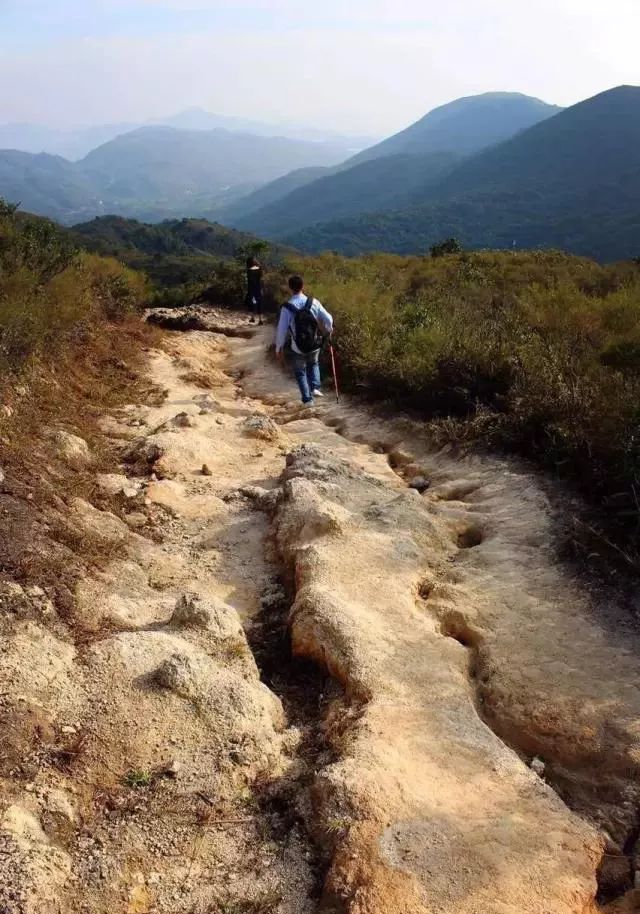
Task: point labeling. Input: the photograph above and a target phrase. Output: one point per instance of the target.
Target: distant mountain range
(571, 182)
(390, 174)
(206, 165)
(76, 143)
(494, 170)
(156, 172)
(70, 144)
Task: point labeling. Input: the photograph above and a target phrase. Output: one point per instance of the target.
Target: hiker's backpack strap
(290, 308)
(308, 305)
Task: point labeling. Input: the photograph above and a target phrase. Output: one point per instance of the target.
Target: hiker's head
(296, 284)
(252, 262)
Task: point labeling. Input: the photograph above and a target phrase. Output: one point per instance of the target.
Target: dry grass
(89, 377)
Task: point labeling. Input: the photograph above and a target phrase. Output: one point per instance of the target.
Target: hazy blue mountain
(572, 181)
(46, 185)
(76, 142)
(157, 162)
(156, 173)
(70, 144)
(465, 126)
(454, 130)
(200, 119)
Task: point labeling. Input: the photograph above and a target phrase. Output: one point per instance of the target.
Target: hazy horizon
(371, 69)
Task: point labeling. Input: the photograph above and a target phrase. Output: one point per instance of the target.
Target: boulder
(117, 483)
(71, 448)
(143, 450)
(102, 526)
(220, 619)
(183, 420)
(261, 427)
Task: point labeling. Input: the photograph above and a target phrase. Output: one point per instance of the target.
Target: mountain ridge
(457, 129)
(155, 172)
(74, 143)
(495, 116)
(572, 181)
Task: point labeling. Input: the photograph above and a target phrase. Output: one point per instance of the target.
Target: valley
(154, 173)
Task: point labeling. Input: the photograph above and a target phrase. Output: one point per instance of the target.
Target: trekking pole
(335, 373)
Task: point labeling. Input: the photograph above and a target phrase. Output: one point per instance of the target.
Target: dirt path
(465, 741)
(452, 623)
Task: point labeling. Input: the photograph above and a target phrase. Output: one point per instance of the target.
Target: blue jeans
(307, 371)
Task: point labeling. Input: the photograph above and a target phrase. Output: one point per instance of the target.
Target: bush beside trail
(50, 292)
(186, 260)
(537, 353)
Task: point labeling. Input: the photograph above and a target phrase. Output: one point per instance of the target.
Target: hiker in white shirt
(305, 321)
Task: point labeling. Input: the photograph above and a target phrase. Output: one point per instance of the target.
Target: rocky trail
(326, 669)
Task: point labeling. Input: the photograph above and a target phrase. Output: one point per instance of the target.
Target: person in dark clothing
(254, 289)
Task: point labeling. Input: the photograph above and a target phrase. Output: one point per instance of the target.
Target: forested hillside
(181, 257)
(379, 184)
(571, 182)
(123, 237)
(391, 174)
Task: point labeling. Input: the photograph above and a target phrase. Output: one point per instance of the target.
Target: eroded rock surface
(471, 747)
(439, 814)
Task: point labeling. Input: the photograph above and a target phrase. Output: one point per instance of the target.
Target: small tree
(258, 249)
(448, 246)
(33, 243)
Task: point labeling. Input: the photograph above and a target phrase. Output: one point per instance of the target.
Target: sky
(354, 66)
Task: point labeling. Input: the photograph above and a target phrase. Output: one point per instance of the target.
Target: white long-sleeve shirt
(285, 324)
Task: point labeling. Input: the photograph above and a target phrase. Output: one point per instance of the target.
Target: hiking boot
(318, 393)
(308, 403)
(252, 320)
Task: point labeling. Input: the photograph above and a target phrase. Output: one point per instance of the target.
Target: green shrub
(48, 290)
(448, 246)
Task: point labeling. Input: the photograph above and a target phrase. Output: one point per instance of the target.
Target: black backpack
(306, 333)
